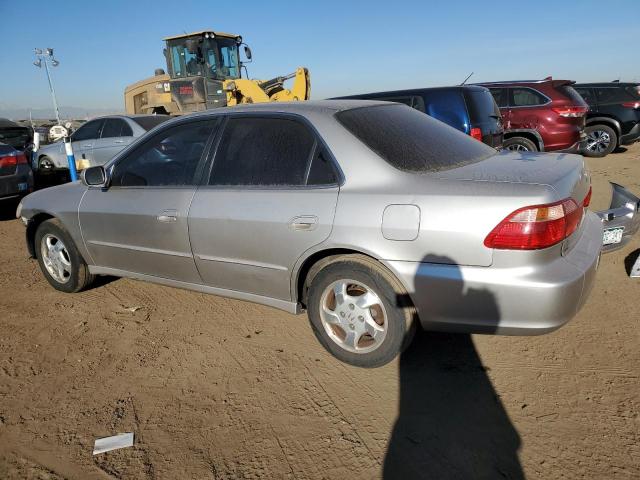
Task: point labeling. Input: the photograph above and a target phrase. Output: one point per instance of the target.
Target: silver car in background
(97, 141)
(371, 216)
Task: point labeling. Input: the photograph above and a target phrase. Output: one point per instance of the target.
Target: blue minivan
(468, 108)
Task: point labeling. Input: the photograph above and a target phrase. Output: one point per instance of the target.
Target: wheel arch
(529, 134)
(610, 122)
(32, 227)
(305, 266)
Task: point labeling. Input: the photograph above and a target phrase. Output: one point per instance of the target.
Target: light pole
(46, 56)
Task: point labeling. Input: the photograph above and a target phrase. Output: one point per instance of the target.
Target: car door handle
(168, 216)
(118, 141)
(304, 223)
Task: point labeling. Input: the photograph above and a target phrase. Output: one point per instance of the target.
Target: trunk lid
(563, 173)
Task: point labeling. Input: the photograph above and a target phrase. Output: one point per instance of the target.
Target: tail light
(476, 133)
(571, 111)
(631, 104)
(13, 160)
(535, 227)
(587, 199)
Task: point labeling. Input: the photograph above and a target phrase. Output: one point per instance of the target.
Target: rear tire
(601, 141)
(358, 310)
(59, 259)
(519, 144)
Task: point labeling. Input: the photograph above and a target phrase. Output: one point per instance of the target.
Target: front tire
(358, 310)
(601, 141)
(519, 144)
(59, 259)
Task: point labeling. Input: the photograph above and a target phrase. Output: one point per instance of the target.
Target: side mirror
(247, 52)
(94, 176)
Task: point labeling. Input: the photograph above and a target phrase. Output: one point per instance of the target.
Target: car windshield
(412, 141)
(221, 57)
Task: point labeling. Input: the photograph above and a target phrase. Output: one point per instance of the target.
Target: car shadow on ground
(8, 210)
(630, 260)
(451, 422)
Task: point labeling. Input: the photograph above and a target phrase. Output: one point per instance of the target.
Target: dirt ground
(221, 389)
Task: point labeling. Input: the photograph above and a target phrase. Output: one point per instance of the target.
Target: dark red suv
(540, 115)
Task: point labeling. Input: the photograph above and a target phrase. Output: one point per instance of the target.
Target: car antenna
(465, 80)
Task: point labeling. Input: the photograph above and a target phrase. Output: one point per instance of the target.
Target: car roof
(407, 91)
(607, 84)
(309, 106)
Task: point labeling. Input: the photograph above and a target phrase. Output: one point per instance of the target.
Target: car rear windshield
(481, 105)
(570, 93)
(412, 141)
(17, 137)
(634, 90)
(150, 121)
(6, 150)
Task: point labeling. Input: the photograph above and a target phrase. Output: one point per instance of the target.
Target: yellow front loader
(205, 71)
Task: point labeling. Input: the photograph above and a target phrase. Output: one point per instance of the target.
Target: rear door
(269, 196)
(610, 100)
(485, 115)
(139, 224)
(116, 134)
(526, 107)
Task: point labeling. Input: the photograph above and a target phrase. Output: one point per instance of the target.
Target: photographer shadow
(451, 422)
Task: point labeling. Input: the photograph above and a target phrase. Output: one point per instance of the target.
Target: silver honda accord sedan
(369, 216)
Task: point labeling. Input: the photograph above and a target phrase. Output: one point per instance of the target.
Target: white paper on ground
(635, 270)
(107, 444)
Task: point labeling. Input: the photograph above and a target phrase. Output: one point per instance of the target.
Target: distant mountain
(18, 113)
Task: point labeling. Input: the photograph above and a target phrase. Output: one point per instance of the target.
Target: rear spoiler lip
(624, 211)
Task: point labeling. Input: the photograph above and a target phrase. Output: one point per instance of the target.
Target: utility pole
(46, 56)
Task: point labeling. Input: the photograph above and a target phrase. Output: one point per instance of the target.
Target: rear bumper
(16, 185)
(512, 300)
(631, 137)
(624, 212)
(576, 147)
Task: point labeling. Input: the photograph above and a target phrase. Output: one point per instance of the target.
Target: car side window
(500, 96)
(169, 158)
(88, 131)
(613, 95)
(260, 151)
(412, 101)
(526, 97)
(321, 170)
(586, 94)
(116, 127)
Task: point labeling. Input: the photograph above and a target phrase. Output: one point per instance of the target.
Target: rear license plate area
(612, 235)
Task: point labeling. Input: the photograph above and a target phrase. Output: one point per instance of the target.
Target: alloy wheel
(56, 258)
(517, 148)
(353, 316)
(598, 141)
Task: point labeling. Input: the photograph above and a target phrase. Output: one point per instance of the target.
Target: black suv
(469, 108)
(613, 118)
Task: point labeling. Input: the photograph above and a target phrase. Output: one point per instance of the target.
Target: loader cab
(198, 64)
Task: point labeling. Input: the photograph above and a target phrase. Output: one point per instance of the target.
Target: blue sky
(349, 46)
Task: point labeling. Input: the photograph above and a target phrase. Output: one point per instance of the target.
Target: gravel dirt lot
(221, 389)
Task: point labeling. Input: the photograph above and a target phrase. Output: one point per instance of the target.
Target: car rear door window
(413, 101)
(411, 141)
(526, 97)
(321, 170)
(169, 158)
(608, 95)
(500, 96)
(116, 127)
(88, 131)
(259, 151)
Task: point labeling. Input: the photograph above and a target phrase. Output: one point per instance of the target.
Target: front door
(139, 224)
(83, 139)
(270, 196)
